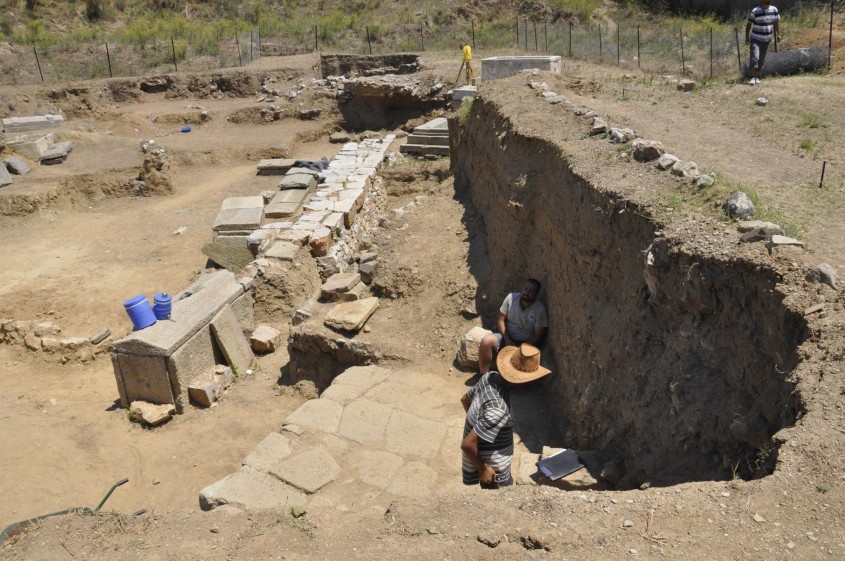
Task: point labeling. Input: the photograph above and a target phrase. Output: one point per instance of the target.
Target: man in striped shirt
(763, 24)
(487, 444)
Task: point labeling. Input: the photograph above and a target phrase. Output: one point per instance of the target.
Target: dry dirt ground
(76, 259)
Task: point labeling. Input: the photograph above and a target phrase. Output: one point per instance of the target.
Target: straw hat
(520, 364)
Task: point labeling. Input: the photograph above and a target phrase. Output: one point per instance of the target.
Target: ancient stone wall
(674, 362)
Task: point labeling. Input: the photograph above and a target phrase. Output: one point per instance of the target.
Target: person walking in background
(763, 24)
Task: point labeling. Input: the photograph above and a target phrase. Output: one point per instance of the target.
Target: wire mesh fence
(697, 50)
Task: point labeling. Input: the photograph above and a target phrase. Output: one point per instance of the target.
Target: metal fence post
(38, 62)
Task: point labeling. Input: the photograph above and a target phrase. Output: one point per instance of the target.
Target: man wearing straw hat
(487, 445)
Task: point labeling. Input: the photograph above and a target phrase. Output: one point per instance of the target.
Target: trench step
(424, 149)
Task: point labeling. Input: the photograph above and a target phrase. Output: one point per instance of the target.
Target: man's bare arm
(466, 402)
(469, 446)
(503, 329)
(747, 32)
(539, 336)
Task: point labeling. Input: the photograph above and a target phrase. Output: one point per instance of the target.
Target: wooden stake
(422, 38)
(683, 59)
(526, 34)
(601, 54)
(821, 182)
(473, 34)
(639, 58)
(38, 62)
(570, 38)
(108, 59)
(316, 40)
(830, 37)
(173, 48)
(369, 44)
(711, 53)
(535, 37)
(546, 36)
(618, 43)
(240, 58)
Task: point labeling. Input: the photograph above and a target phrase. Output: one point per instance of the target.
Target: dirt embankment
(677, 351)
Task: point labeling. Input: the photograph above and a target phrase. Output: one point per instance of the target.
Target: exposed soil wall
(676, 362)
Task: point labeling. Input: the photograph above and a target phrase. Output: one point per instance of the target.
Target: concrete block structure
(504, 66)
(25, 124)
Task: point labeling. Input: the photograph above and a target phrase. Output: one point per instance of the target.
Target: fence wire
(697, 52)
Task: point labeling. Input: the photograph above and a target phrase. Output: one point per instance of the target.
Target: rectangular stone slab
(232, 203)
(274, 166)
(282, 210)
(145, 378)
(298, 196)
(208, 294)
(298, 181)
(351, 316)
(238, 219)
(251, 489)
(230, 252)
(230, 337)
(283, 250)
(199, 354)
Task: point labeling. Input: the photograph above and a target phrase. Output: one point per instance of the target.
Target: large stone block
(196, 356)
(118, 378)
(351, 316)
(233, 203)
(230, 337)
(230, 252)
(298, 181)
(193, 308)
(251, 489)
(5, 176)
(243, 306)
(32, 150)
(468, 353)
(145, 378)
(238, 219)
(283, 250)
(409, 435)
(264, 339)
(274, 166)
(338, 284)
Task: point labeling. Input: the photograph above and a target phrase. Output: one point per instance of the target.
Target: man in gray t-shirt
(522, 319)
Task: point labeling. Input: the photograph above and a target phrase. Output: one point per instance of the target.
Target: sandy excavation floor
(65, 442)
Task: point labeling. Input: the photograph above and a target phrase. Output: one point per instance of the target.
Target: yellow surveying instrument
(467, 64)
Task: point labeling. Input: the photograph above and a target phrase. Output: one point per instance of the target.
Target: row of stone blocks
(24, 124)
(157, 364)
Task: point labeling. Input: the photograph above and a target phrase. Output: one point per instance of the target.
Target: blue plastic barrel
(139, 312)
(162, 305)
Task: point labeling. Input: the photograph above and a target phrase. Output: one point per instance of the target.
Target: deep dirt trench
(678, 364)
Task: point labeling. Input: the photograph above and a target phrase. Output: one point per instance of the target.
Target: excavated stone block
(238, 219)
(230, 252)
(250, 489)
(351, 316)
(337, 284)
(194, 358)
(264, 339)
(282, 250)
(320, 241)
(468, 353)
(5, 176)
(150, 413)
(274, 166)
(230, 337)
(358, 292)
(234, 203)
(310, 471)
(409, 435)
(16, 166)
(298, 181)
(202, 391)
(145, 378)
(193, 308)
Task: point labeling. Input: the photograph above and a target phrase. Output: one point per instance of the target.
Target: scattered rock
(705, 181)
(320, 241)
(468, 353)
(599, 126)
(762, 101)
(32, 342)
(759, 519)
(5, 176)
(151, 414)
(666, 161)
(16, 166)
(762, 232)
(351, 316)
(100, 337)
(264, 339)
(686, 85)
(201, 390)
(337, 284)
(622, 136)
(309, 114)
(367, 270)
(823, 273)
(339, 138)
(686, 170)
(299, 317)
(739, 206)
(647, 150)
(628, 524)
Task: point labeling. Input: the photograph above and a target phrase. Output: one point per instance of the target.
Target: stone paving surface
(373, 433)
